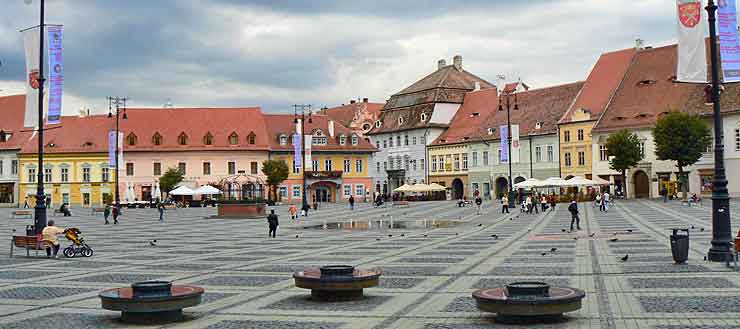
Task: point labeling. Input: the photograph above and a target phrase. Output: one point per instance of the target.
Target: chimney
(457, 62)
(364, 100)
(352, 101)
(441, 63)
(477, 86)
(331, 128)
(639, 43)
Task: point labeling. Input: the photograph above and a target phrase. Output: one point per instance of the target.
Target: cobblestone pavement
(429, 273)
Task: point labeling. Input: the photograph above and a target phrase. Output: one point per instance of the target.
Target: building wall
(143, 162)
(456, 161)
(9, 187)
(704, 169)
(75, 188)
(571, 148)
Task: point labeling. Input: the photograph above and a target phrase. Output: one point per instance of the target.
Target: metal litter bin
(680, 245)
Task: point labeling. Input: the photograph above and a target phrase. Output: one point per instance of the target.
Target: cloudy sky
(223, 53)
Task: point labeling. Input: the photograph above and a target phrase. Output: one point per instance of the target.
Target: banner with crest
(692, 56)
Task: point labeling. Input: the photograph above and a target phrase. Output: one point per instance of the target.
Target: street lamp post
(117, 102)
(299, 111)
(721, 230)
(507, 96)
(40, 208)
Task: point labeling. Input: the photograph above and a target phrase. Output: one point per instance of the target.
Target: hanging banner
(729, 47)
(692, 57)
(297, 160)
(515, 144)
(31, 46)
(504, 144)
(112, 149)
(308, 139)
(56, 78)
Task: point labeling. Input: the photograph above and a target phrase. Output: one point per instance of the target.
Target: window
(464, 161)
(434, 163)
(485, 158)
(500, 154)
(406, 140)
(398, 140)
(318, 138)
(86, 199)
(283, 190)
(377, 167)
(65, 174)
(359, 190)
(86, 174)
(131, 139)
(14, 167)
(296, 191)
(283, 140)
(157, 139)
(642, 148)
(206, 168)
(251, 138)
(377, 144)
(328, 165)
(390, 141)
(581, 158)
(580, 134)
(315, 165)
(567, 159)
(347, 190)
(105, 174)
(441, 163)
(413, 140)
(603, 154)
(457, 162)
(413, 165)
(182, 167)
(296, 167)
(342, 140)
(400, 121)
(421, 164)
(253, 167)
(233, 139)
(406, 162)
(157, 169)
(47, 175)
(566, 136)
(182, 139)
(385, 165)
(737, 139)
(398, 163)
(347, 166)
(2, 167)
(232, 167)
(424, 139)
(31, 175)
(538, 154)
(129, 169)
(355, 140)
(378, 124)
(474, 160)
(385, 144)
(208, 139)
(423, 117)
(550, 153)
(358, 166)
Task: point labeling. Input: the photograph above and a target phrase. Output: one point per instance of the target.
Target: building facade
(12, 138)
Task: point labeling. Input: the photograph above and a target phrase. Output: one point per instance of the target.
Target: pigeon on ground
(705, 258)
(624, 259)
(426, 235)
(403, 234)
(494, 236)
(575, 238)
(377, 239)
(544, 253)
(480, 224)
(390, 235)
(153, 243)
(613, 239)
(553, 249)
(296, 236)
(592, 235)
(629, 230)
(692, 227)
(563, 230)
(701, 229)
(457, 233)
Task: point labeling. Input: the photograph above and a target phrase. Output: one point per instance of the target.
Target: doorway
(502, 187)
(457, 188)
(322, 194)
(642, 185)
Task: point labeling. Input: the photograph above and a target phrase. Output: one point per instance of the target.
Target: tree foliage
(681, 137)
(170, 179)
(276, 172)
(623, 148)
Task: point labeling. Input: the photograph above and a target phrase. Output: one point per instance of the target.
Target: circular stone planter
(337, 282)
(151, 301)
(528, 302)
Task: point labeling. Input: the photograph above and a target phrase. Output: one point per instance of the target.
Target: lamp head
(500, 108)
(516, 107)
(110, 115)
(124, 115)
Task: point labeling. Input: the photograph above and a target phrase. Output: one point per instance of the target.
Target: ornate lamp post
(507, 95)
(721, 230)
(117, 102)
(300, 111)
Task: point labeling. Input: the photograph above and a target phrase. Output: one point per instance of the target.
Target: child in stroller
(78, 244)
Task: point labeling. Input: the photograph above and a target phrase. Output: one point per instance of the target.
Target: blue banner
(56, 77)
(729, 47)
(112, 148)
(297, 151)
(504, 144)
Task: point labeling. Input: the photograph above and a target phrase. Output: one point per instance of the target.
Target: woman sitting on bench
(49, 236)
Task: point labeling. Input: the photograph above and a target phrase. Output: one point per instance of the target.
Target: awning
(182, 190)
(207, 190)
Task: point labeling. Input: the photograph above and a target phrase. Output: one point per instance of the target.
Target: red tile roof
(196, 123)
(345, 114)
(74, 135)
(283, 124)
(12, 110)
(544, 105)
(601, 83)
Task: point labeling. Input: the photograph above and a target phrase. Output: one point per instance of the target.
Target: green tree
(170, 179)
(681, 137)
(623, 148)
(276, 172)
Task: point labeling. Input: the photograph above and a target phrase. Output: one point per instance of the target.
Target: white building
(701, 178)
(12, 138)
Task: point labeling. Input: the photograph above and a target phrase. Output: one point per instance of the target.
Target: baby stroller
(78, 244)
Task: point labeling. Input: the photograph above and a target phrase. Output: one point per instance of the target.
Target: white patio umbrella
(182, 190)
(529, 183)
(434, 187)
(554, 182)
(419, 187)
(207, 190)
(403, 188)
(600, 181)
(580, 181)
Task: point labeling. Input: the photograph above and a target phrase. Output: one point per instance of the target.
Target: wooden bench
(400, 203)
(96, 210)
(170, 207)
(26, 213)
(33, 242)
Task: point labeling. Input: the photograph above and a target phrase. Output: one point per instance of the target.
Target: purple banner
(504, 144)
(112, 148)
(297, 151)
(56, 78)
(729, 47)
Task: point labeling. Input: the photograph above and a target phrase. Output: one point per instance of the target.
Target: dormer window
(283, 140)
(466, 138)
(491, 131)
(233, 139)
(251, 138)
(4, 136)
(182, 139)
(378, 124)
(342, 140)
(157, 139)
(87, 144)
(400, 120)
(642, 116)
(318, 138)
(646, 82)
(131, 139)
(53, 145)
(208, 139)
(538, 125)
(619, 118)
(474, 114)
(366, 126)
(355, 139)
(423, 117)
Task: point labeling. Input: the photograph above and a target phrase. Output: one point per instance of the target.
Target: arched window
(131, 139)
(157, 139)
(423, 117)
(233, 139)
(283, 140)
(182, 139)
(208, 139)
(251, 138)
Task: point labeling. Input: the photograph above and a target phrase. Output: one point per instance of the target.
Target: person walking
(597, 201)
(664, 193)
(305, 209)
(528, 204)
(478, 203)
(535, 200)
(272, 222)
(49, 236)
(106, 213)
(351, 202)
(115, 215)
(160, 208)
(504, 205)
(573, 208)
(25, 203)
(543, 202)
(553, 201)
(293, 212)
(605, 201)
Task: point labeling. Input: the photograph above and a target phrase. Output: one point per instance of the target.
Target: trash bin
(680, 245)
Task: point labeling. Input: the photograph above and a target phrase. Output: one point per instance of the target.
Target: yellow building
(448, 166)
(76, 166)
(575, 145)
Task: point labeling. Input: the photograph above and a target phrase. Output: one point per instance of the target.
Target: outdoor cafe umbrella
(600, 181)
(529, 183)
(434, 187)
(182, 190)
(554, 182)
(420, 187)
(580, 181)
(403, 188)
(207, 190)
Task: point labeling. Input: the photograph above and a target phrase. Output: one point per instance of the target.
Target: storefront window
(706, 182)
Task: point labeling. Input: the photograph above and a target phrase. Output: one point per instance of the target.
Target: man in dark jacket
(272, 222)
(573, 208)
